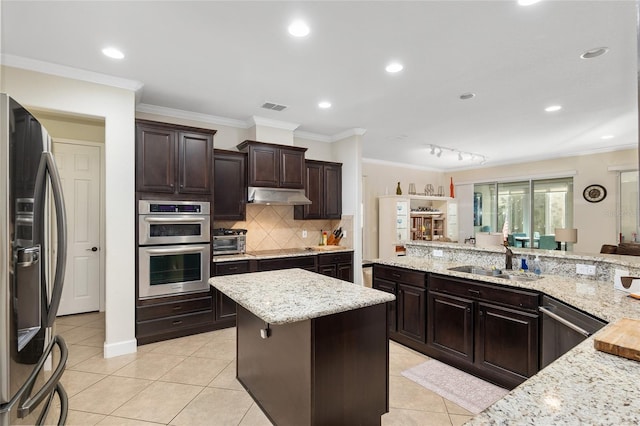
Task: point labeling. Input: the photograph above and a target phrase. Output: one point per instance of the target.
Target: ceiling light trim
(70, 72)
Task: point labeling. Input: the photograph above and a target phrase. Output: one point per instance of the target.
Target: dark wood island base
(329, 370)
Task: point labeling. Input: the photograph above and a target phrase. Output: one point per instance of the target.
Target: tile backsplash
(273, 227)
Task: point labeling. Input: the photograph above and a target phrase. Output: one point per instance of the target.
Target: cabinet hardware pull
(177, 308)
(481, 313)
(468, 309)
(395, 275)
(234, 268)
(177, 322)
(476, 292)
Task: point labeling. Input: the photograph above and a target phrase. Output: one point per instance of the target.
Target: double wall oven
(174, 247)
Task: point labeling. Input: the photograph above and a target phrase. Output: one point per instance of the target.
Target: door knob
(93, 249)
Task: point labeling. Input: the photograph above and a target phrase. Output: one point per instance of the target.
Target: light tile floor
(191, 381)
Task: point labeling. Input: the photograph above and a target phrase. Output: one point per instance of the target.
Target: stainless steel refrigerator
(32, 358)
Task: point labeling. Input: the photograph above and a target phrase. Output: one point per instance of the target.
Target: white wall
(116, 107)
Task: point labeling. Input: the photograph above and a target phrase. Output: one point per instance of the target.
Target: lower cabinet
(303, 262)
(174, 316)
(225, 306)
(407, 315)
(337, 265)
(492, 332)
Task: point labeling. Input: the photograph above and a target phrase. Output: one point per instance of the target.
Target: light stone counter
(292, 295)
(281, 253)
(584, 386)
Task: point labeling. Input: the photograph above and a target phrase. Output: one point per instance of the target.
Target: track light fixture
(462, 155)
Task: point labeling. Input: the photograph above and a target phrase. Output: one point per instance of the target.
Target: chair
(511, 239)
(547, 242)
(485, 228)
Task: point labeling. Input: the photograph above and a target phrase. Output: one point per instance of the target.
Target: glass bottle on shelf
(398, 190)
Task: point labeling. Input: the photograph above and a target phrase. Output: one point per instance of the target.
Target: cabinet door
(225, 306)
(229, 186)
(314, 191)
(156, 152)
(332, 192)
(291, 168)
(450, 322)
(329, 270)
(195, 164)
(345, 271)
(507, 342)
(412, 312)
(389, 287)
(264, 166)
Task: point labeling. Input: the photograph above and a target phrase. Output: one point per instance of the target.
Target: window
(524, 210)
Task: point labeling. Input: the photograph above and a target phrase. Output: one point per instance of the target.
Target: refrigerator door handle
(46, 167)
(27, 405)
(64, 406)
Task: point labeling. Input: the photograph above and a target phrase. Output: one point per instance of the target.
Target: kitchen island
(311, 349)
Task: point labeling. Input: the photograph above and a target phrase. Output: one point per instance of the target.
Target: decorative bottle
(451, 192)
(398, 190)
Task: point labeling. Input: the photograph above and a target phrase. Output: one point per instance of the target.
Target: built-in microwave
(173, 222)
(165, 270)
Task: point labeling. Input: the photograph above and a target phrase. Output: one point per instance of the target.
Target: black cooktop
(228, 231)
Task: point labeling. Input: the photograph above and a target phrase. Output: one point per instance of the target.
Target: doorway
(81, 172)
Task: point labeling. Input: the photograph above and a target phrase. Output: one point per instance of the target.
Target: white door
(79, 167)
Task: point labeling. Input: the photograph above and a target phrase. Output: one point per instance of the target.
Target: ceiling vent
(274, 107)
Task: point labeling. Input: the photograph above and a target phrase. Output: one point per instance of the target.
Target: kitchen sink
(518, 277)
(476, 270)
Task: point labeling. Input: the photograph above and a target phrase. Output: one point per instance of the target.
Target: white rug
(467, 391)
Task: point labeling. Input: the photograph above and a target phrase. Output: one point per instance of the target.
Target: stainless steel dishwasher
(563, 327)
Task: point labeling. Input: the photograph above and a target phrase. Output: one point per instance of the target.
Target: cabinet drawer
(162, 310)
(474, 290)
(304, 262)
(144, 328)
(401, 275)
(230, 268)
(331, 258)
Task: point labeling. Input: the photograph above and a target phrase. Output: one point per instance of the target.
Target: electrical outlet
(438, 253)
(304, 233)
(582, 269)
(344, 234)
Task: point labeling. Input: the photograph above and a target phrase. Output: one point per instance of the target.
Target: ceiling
(225, 59)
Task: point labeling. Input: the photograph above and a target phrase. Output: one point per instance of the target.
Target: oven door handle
(175, 250)
(174, 219)
(563, 321)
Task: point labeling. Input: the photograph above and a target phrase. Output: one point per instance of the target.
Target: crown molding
(356, 131)
(312, 136)
(189, 115)
(276, 124)
(402, 165)
(69, 72)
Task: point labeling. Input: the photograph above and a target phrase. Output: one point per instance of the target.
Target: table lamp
(566, 235)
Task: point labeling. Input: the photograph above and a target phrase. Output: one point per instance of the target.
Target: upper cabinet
(173, 159)
(274, 166)
(323, 186)
(229, 185)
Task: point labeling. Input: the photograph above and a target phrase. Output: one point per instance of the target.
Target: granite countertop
(281, 253)
(292, 295)
(584, 386)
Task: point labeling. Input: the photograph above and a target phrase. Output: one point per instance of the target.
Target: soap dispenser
(537, 268)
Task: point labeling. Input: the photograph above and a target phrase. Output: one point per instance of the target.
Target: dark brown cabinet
(229, 185)
(173, 159)
(274, 166)
(323, 186)
(410, 306)
(337, 265)
(389, 287)
(174, 316)
(225, 306)
(303, 262)
(488, 330)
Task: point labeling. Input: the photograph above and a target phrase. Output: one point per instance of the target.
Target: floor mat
(467, 391)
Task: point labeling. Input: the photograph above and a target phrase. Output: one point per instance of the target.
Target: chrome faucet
(508, 257)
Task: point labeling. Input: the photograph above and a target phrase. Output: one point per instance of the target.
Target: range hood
(277, 196)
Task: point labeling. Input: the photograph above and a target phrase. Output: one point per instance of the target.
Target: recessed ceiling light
(394, 67)
(299, 29)
(466, 96)
(607, 137)
(112, 52)
(527, 2)
(594, 53)
(553, 108)
(324, 105)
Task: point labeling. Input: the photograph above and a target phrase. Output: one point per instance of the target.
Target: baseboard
(120, 348)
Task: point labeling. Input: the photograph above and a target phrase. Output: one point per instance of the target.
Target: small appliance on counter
(229, 241)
